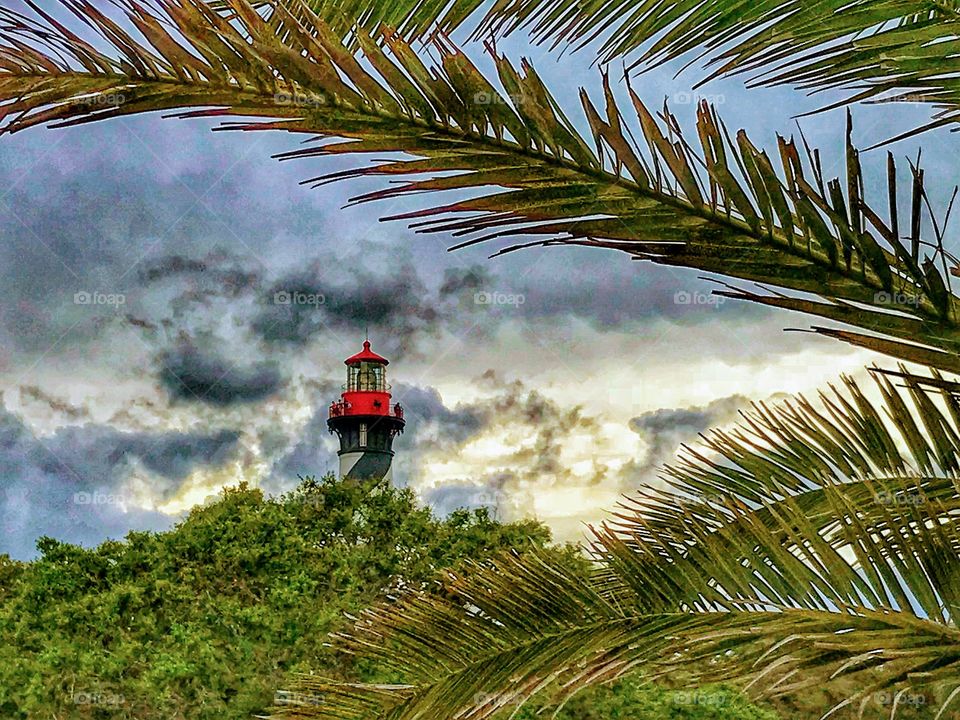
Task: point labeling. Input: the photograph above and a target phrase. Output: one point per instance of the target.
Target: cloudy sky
(144, 363)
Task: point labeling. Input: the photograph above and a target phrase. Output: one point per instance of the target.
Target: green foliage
(206, 620)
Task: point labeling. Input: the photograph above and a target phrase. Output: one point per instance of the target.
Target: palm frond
(810, 545)
(894, 50)
(410, 19)
(802, 467)
(720, 207)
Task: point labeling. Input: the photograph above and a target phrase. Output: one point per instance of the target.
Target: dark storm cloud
(666, 429)
(141, 323)
(218, 273)
(458, 280)
(58, 405)
(609, 291)
(97, 217)
(312, 452)
(427, 414)
(169, 266)
(455, 495)
(174, 455)
(59, 241)
(28, 325)
(606, 290)
(183, 260)
(335, 297)
(195, 375)
(72, 485)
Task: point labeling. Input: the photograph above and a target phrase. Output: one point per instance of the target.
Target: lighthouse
(364, 419)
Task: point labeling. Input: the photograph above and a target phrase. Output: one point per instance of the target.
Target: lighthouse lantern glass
(366, 376)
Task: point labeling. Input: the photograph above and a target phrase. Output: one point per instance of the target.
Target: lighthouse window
(369, 376)
(363, 434)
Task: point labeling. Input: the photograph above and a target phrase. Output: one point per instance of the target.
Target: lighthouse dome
(366, 355)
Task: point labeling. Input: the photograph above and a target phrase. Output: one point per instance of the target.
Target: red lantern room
(364, 419)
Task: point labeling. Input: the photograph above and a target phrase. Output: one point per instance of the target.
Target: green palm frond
(816, 543)
(803, 467)
(725, 207)
(891, 49)
(411, 19)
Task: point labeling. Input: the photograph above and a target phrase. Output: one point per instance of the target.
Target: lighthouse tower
(364, 419)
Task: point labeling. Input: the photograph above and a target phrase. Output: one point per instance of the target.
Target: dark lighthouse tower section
(364, 419)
